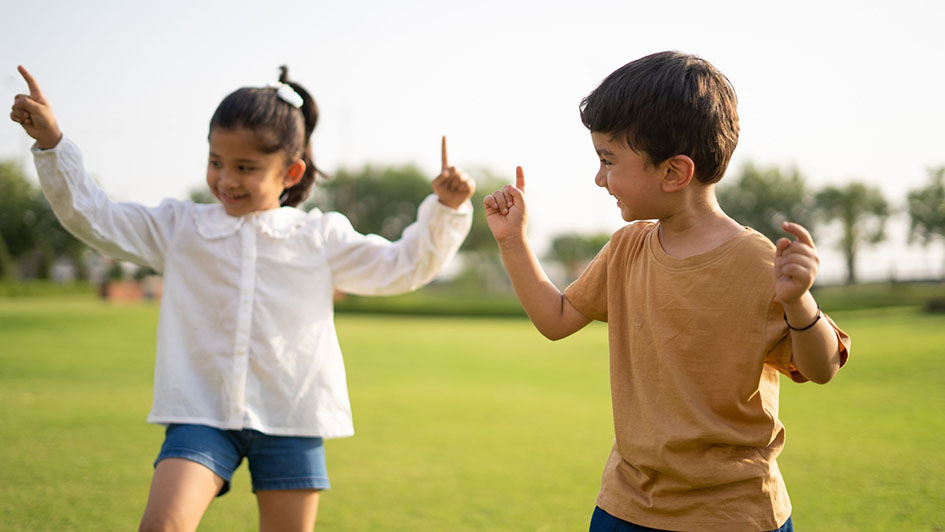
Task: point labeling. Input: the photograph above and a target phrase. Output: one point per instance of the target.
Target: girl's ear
(293, 174)
(678, 173)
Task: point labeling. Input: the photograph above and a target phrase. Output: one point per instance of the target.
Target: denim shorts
(275, 462)
(602, 521)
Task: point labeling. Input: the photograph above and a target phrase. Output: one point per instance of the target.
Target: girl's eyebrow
(240, 160)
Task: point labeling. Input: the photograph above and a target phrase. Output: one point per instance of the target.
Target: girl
(248, 362)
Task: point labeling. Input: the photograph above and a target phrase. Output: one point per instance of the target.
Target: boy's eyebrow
(602, 151)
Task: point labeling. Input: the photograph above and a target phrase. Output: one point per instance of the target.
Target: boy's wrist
(801, 311)
(512, 242)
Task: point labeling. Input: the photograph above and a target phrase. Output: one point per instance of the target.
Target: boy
(702, 312)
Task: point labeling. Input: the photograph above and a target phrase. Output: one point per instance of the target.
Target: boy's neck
(697, 224)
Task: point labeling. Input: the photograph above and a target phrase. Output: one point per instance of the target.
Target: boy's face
(628, 176)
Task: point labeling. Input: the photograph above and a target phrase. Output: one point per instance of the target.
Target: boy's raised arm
(506, 213)
(815, 347)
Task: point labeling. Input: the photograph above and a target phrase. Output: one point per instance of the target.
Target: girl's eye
(215, 164)
(605, 162)
(244, 168)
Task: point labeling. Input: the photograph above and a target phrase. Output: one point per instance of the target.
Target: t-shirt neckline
(694, 261)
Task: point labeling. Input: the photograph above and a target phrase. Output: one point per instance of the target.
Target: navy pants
(602, 521)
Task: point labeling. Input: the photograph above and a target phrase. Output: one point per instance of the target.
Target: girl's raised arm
(124, 231)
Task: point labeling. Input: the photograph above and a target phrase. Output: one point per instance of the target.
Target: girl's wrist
(48, 142)
(453, 204)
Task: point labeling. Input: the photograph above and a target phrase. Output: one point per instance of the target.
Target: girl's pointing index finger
(35, 92)
(446, 161)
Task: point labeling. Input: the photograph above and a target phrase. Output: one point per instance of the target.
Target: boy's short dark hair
(666, 104)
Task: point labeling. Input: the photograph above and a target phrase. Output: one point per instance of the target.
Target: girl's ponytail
(291, 197)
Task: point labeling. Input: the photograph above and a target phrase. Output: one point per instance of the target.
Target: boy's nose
(601, 178)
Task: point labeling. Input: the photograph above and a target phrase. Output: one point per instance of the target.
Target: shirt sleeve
(780, 355)
(588, 293)
(124, 231)
(372, 265)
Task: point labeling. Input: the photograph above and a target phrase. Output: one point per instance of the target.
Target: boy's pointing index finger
(520, 178)
(798, 230)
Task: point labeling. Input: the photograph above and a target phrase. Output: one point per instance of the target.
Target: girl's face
(242, 177)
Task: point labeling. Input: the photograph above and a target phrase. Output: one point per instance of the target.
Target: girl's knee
(164, 522)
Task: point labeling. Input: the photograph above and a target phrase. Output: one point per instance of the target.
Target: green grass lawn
(462, 424)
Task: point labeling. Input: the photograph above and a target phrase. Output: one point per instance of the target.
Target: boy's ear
(293, 174)
(678, 173)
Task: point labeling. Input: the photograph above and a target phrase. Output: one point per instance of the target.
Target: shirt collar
(213, 222)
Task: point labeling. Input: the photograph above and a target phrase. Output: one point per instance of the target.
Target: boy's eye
(605, 162)
(215, 164)
(244, 168)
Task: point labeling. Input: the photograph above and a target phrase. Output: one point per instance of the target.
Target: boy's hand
(795, 264)
(453, 187)
(505, 210)
(35, 115)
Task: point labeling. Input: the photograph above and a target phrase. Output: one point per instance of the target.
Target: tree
(862, 211)
(16, 215)
(574, 250)
(29, 230)
(16, 200)
(762, 198)
(927, 210)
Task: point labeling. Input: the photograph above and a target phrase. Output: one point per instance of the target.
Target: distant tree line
(762, 198)
(383, 200)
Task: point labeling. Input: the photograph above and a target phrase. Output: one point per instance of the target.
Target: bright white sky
(844, 90)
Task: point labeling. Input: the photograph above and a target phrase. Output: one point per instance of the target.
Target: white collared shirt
(246, 336)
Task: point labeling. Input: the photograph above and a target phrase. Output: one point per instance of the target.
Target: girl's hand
(795, 264)
(505, 210)
(35, 115)
(453, 187)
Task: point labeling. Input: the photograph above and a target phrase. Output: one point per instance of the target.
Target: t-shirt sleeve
(844, 340)
(588, 293)
(780, 355)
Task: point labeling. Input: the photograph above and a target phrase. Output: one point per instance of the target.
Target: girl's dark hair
(278, 125)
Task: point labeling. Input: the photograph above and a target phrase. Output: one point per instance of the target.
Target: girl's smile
(242, 177)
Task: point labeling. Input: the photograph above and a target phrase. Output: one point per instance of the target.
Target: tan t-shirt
(696, 345)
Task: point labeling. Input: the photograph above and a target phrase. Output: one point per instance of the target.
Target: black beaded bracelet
(819, 314)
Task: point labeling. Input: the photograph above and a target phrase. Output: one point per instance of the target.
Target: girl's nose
(227, 179)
